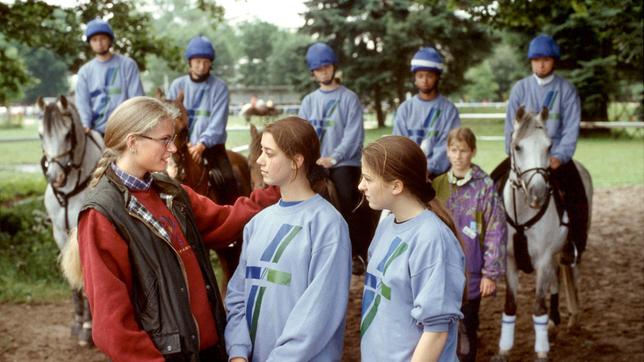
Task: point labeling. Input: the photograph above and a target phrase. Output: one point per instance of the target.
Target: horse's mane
(53, 113)
(527, 123)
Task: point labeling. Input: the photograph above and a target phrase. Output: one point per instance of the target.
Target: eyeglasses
(165, 141)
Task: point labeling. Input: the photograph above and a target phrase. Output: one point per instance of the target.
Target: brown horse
(259, 108)
(184, 169)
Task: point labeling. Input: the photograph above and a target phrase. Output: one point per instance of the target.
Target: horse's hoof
(501, 357)
(552, 330)
(76, 327)
(573, 322)
(541, 359)
(85, 337)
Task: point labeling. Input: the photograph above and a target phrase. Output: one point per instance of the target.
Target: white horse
(536, 232)
(69, 157)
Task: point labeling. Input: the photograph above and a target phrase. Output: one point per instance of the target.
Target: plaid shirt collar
(132, 182)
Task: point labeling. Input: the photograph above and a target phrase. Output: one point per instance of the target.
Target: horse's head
(254, 151)
(175, 166)
(60, 133)
(529, 154)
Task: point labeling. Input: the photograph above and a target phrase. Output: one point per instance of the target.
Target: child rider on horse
(427, 117)
(469, 195)
(544, 88)
(337, 116)
(206, 100)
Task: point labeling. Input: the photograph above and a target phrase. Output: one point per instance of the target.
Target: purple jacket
(480, 218)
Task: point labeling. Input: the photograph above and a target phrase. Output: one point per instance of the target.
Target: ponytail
(106, 160)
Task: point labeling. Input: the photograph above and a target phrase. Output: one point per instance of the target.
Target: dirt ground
(611, 289)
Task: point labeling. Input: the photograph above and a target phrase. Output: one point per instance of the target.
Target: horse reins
(68, 168)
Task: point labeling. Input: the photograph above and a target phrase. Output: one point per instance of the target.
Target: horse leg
(508, 319)
(85, 335)
(555, 317)
(572, 298)
(545, 276)
(77, 323)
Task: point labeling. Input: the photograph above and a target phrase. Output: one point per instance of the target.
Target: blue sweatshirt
(414, 284)
(207, 106)
(337, 118)
(427, 123)
(102, 86)
(288, 297)
(563, 119)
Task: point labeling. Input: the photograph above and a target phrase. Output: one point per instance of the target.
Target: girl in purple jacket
(469, 194)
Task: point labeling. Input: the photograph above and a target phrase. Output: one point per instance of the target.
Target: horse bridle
(68, 167)
(520, 184)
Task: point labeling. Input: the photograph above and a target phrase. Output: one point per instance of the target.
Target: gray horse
(69, 158)
(536, 232)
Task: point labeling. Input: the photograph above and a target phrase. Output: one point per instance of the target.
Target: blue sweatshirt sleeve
(571, 118)
(305, 108)
(438, 162)
(320, 311)
(82, 100)
(437, 283)
(353, 136)
(216, 129)
(513, 104)
(134, 86)
(237, 335)
(399, 121)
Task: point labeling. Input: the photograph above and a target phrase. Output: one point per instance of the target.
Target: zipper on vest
(183, 272)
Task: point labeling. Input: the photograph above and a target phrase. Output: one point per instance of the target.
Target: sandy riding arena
(611, 292)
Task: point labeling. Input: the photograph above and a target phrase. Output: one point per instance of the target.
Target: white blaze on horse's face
(57, 137)
(529, 150)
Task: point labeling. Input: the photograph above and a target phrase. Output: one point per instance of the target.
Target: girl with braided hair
(143, 242)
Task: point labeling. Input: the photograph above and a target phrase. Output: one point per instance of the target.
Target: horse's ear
(63, 101)
(544, 114)
(520, 114)
(41, 103)
(180, 96)
(159, 93)
(253, 132)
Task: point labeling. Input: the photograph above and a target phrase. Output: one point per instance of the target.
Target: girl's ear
(397, 187)
(130, 140)
(474, 153)
(298, 161)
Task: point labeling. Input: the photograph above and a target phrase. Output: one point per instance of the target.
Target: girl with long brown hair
(288, 297)
(415, 274)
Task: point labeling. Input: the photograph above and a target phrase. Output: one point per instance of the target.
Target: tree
(35, 23)
(601, 41)
(13, 73)
(376, 39)
(49, 74)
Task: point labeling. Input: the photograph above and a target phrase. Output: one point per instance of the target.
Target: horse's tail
(69, 260)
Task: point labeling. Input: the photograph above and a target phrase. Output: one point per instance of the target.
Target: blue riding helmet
(98, 26)
(319, 55)
(427, 59)
(200, 47)
(543, 46)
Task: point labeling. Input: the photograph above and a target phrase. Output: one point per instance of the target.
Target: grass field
(611, 161)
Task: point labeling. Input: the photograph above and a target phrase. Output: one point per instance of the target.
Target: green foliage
(601, 42)
(375, 41)
(49, 72)
(27, 251)
(13, 72)
(19, 185)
